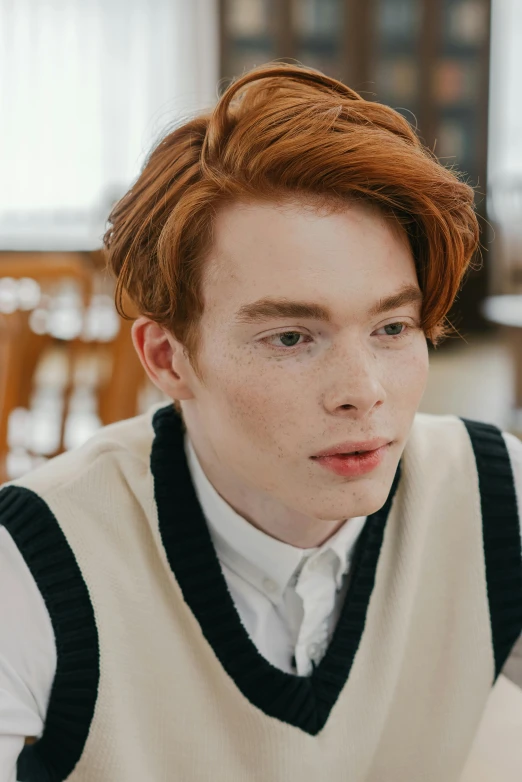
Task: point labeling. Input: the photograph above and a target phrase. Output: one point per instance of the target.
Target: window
(86, 87)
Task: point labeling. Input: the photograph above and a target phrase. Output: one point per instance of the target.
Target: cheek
(410, 372)
(257, 404)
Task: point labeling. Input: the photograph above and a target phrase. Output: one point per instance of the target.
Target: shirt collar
(266, 563)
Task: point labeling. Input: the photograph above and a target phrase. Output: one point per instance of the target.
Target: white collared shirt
(288, 599)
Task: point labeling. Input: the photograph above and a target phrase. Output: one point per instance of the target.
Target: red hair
(284, 131)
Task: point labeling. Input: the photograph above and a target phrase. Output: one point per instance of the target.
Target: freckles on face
(271, 251)
(410, 375)
(278, 408)
(258, 399)
(266, 411)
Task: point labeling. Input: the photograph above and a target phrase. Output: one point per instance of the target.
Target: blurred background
(87, 86)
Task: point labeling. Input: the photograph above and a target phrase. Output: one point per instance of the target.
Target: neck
(265, 512)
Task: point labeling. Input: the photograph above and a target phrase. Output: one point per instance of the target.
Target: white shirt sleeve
(27, 656)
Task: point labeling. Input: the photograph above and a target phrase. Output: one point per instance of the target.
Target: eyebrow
(267, 308)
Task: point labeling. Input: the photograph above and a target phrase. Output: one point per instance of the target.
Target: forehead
(294, 250)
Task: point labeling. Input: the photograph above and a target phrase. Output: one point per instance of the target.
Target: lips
(351, 448)
(353, 466)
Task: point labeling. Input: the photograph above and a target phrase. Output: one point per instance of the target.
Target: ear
(163, 358)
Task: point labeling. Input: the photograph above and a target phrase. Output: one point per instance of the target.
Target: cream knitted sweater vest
(157, 679)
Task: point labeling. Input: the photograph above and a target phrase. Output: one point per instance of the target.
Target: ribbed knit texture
(502, 543)
(73, 696)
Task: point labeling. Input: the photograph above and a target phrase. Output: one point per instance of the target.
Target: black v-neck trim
(501, 536)
(305, 702)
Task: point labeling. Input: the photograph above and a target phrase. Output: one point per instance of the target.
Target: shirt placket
(317, 588)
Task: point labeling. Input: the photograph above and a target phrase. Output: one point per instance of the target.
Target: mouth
(353, 448)
(353, 464)
(342, 453)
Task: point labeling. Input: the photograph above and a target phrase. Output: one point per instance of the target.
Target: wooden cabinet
(429, 59)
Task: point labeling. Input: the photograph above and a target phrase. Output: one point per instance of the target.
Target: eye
(289, 339)
(404, 326)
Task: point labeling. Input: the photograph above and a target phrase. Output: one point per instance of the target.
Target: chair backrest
(23, 350)
(47, 268)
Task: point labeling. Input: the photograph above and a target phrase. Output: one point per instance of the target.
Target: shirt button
(270, 585)
(313, 649)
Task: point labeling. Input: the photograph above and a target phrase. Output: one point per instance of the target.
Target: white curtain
(86, 87)
(505, 108)
(505, 147)
(505, 118)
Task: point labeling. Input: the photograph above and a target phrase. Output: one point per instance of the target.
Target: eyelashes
(287, 348)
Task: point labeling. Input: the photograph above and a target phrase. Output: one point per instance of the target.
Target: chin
(350, 501)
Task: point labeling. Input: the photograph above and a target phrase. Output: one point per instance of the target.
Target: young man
(301, 578)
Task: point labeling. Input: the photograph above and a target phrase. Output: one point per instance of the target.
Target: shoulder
(120, 449)
(442, 440)
(103, 485)
(451, 444)
(433, 429)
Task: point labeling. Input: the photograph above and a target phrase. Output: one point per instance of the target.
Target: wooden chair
(119, 397)
(20, 347)
(47, 269)
(22, 350)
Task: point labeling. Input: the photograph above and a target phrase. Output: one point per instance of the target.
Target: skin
(264, 403)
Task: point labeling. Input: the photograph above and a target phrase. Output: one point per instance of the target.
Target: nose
(354, 383)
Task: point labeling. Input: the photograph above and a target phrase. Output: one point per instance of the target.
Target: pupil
(397, 326)
(289, 335)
